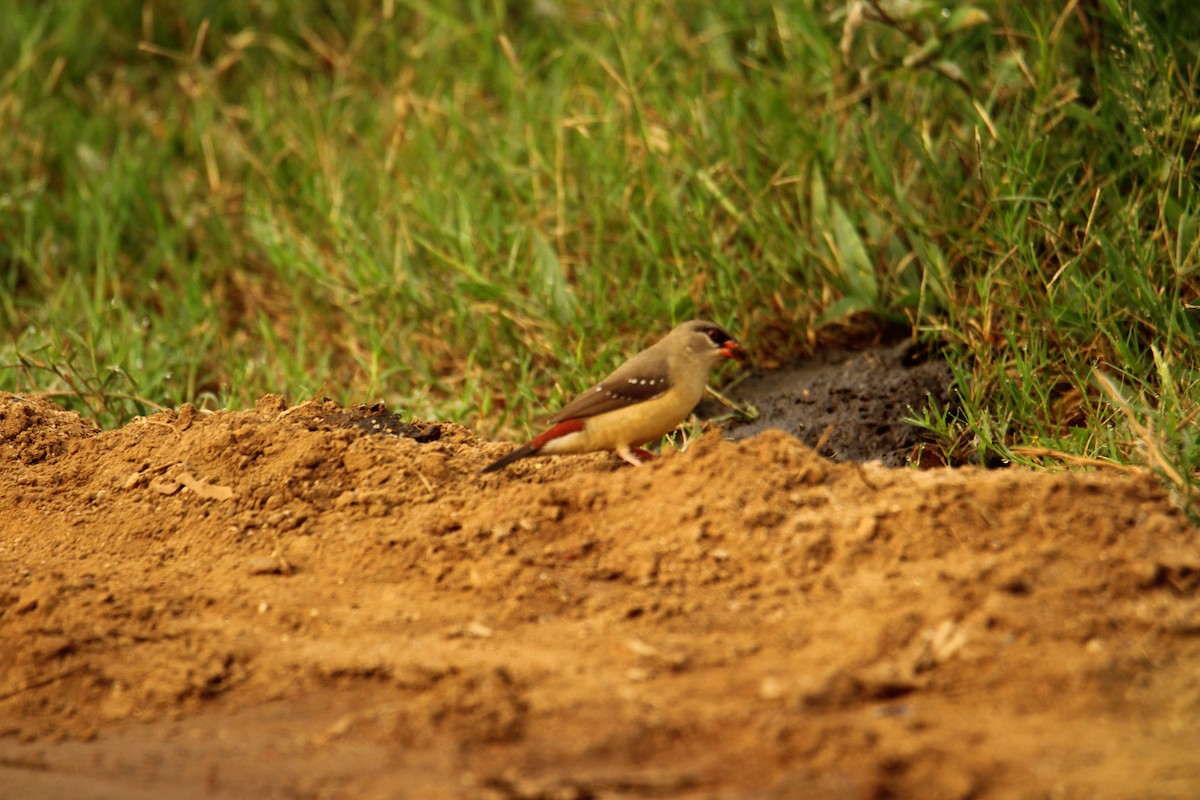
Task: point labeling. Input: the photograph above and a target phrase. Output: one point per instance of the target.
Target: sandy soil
(286, 602)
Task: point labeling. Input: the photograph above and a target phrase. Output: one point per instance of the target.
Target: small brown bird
(644, 399)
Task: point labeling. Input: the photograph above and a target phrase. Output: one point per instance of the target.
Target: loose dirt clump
(327, 602)
(34, 429)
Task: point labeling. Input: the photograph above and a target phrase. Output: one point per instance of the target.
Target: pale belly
(629, 427)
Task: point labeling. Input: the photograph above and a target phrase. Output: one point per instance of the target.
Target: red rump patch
(559, 430)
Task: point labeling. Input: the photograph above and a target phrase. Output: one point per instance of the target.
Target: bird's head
(707, 339)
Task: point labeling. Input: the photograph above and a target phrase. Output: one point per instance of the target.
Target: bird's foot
(635, 455)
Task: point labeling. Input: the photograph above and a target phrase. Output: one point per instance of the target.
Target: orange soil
(279, 603)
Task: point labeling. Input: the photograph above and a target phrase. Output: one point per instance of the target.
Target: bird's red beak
(732, 349)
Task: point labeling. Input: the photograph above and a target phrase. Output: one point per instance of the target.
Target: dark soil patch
(852, 403)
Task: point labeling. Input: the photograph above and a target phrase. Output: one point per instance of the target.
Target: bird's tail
(521, 452)
(567, 426)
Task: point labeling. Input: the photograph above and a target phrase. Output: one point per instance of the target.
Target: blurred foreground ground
(282, 602)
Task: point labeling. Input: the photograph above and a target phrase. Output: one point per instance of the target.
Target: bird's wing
(641, 378)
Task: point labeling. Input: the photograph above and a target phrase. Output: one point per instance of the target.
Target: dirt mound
(327, 602)
(34, 429)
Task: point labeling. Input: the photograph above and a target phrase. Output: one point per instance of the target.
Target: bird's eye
(717, 336)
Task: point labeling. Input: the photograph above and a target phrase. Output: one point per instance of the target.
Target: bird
(642, 400)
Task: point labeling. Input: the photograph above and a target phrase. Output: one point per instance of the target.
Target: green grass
(447, 206)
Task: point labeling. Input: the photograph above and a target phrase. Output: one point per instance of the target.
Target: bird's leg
(635, 455)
